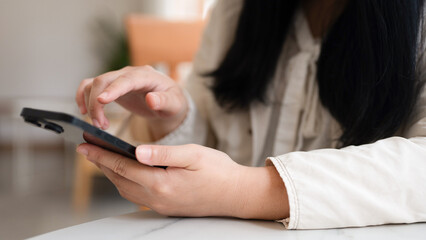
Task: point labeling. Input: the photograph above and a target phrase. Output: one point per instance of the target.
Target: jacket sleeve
(216, 40)
(378, 183)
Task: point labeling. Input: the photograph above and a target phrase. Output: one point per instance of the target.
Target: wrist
(261, 194)
(160, 127)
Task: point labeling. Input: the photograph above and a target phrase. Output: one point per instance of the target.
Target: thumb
(184, 156)
(169, 102)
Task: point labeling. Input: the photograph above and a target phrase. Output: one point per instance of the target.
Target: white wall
(47, 46)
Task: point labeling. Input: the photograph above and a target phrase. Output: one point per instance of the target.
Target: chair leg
(83, 183)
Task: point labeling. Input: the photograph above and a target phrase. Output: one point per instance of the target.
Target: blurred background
(46, 48)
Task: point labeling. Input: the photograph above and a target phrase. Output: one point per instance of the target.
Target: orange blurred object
(153, 40)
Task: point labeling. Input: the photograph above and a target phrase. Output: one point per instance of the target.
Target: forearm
(261, 195)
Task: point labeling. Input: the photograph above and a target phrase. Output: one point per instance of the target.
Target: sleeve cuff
(182, 134)
(292, 221)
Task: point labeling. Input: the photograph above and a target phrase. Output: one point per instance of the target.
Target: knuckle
(98, 80)
(127, 78)
(127, 82)
(119, 166)
(161, 189)
(130, 77)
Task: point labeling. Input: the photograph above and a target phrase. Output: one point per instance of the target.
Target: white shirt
(371, 184)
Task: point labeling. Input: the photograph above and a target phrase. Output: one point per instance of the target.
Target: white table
(150, 225)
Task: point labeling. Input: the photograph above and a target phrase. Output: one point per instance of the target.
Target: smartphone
(76, 130)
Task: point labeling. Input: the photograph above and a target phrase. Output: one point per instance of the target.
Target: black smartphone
(77, 131)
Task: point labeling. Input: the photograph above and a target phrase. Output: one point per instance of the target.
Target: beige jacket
(379, 183)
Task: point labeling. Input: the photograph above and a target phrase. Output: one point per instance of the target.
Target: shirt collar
(304, 38)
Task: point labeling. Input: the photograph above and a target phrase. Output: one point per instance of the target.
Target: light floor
(47, 206)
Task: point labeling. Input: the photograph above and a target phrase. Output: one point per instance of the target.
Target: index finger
(79, 96)
(125, 167)
(95, 107)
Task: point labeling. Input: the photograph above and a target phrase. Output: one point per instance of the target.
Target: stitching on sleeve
(294, 192)
(285, 175)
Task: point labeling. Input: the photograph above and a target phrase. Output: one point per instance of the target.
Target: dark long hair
(366, 70)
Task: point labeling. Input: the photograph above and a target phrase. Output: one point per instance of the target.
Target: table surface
(150, 225)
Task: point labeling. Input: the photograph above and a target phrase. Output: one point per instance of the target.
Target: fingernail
(96, 123)
(103, 95)
(144, 153)
(83, 151)
(81, 110)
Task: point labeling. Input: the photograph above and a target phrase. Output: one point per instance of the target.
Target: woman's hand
(141, 90)
(198, 181)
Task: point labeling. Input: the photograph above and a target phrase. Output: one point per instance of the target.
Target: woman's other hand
(198, 181)
(141, 90)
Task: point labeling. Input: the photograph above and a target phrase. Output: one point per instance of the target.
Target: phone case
(76, 130)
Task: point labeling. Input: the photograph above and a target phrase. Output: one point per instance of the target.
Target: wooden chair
(83, 183)
(151, 41)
